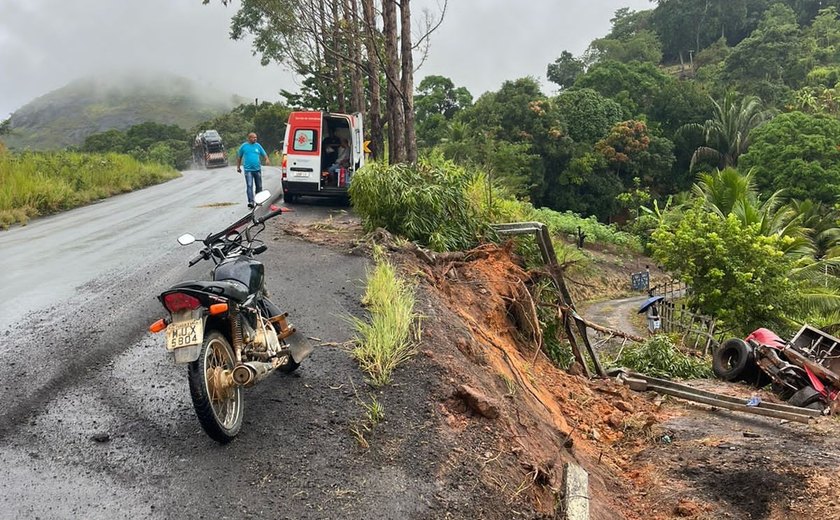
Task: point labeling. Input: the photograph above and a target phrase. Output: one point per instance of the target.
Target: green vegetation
(425, 202)
(34, 184)
(374, 414)
(387, 338)
(736, 273)
(659, 357)
(147, 142)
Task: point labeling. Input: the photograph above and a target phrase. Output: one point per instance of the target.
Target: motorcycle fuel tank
(243, 270)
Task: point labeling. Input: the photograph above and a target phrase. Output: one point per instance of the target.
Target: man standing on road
(251, 153)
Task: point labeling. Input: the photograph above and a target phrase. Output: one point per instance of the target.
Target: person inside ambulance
(329, 149)
(342, 159)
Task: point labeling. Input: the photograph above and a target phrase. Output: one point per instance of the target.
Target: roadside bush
(737, 274)
(426, 202)
(660, 357)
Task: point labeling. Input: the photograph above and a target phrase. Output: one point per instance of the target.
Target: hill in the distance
(66, 116)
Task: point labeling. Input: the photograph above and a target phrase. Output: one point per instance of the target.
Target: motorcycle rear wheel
(219, 409)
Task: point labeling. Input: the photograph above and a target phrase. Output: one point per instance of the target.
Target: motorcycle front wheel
(218, 402)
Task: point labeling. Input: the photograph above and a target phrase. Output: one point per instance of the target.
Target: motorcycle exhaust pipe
(251, 372)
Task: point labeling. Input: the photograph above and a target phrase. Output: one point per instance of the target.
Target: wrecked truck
(804, 371)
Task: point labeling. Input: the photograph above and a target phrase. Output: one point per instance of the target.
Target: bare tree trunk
(339, 63)
(377, 139)
(396, 114)
(408, 81)
(351, 16)
(321, 48)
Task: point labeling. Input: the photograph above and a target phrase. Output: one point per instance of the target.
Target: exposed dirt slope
(506, 420)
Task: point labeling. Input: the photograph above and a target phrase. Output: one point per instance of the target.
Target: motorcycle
(226, 330)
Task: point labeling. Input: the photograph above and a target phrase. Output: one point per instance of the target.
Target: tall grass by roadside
(41, 183)
(389, 336)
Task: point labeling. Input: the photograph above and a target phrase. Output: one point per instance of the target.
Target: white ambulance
(310, 151)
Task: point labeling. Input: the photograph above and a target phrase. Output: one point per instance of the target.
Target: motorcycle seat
(231, 289)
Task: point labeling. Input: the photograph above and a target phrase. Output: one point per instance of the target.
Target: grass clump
(41, 183)
(660, 357)
(385, 340)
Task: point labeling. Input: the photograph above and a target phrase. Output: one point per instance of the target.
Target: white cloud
(44, 44)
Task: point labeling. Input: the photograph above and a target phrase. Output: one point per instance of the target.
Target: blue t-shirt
(251, 154)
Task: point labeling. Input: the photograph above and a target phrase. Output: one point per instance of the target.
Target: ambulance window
(305, 140)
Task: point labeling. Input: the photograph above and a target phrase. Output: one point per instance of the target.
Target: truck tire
(732, 360)
(807, 397)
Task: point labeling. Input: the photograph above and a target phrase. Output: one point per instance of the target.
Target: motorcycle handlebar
(270, 215)
(239, 223)
(201, 256)
(212, 239)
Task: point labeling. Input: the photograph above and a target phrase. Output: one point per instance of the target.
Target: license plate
(184, 334)
(301, 174)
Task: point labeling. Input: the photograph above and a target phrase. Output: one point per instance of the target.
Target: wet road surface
(97, 421)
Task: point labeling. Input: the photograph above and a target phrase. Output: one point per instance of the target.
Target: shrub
(426, 202)
(660, 357)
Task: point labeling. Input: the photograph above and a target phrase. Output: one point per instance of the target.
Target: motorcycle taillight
(176, 302)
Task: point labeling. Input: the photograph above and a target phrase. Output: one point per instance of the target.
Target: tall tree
(321, 39)
(371, 39)
(396, 109)
(797, 152)
(775, 52)
(407, 82)
(565, 70)
(437, 101)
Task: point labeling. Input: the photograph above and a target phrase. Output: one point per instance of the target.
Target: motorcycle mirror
(186, 239)
(262, 196)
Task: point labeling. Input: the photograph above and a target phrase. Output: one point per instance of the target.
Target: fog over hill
(66, 116)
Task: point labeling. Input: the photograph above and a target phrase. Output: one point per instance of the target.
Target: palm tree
(727, 191)
(726, 137)
(813, 239)
(820, 227)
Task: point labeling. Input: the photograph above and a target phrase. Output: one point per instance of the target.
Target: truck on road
(208, 150)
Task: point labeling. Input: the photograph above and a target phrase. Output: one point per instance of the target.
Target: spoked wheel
(216, 398)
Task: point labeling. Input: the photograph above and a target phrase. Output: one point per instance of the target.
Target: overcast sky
(44, 44)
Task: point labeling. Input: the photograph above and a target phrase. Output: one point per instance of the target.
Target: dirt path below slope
(616, 314)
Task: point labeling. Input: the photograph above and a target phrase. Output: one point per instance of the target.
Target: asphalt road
(96, 421)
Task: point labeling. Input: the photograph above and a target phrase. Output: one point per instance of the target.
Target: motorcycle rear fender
(186, 354)
(299, 346)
